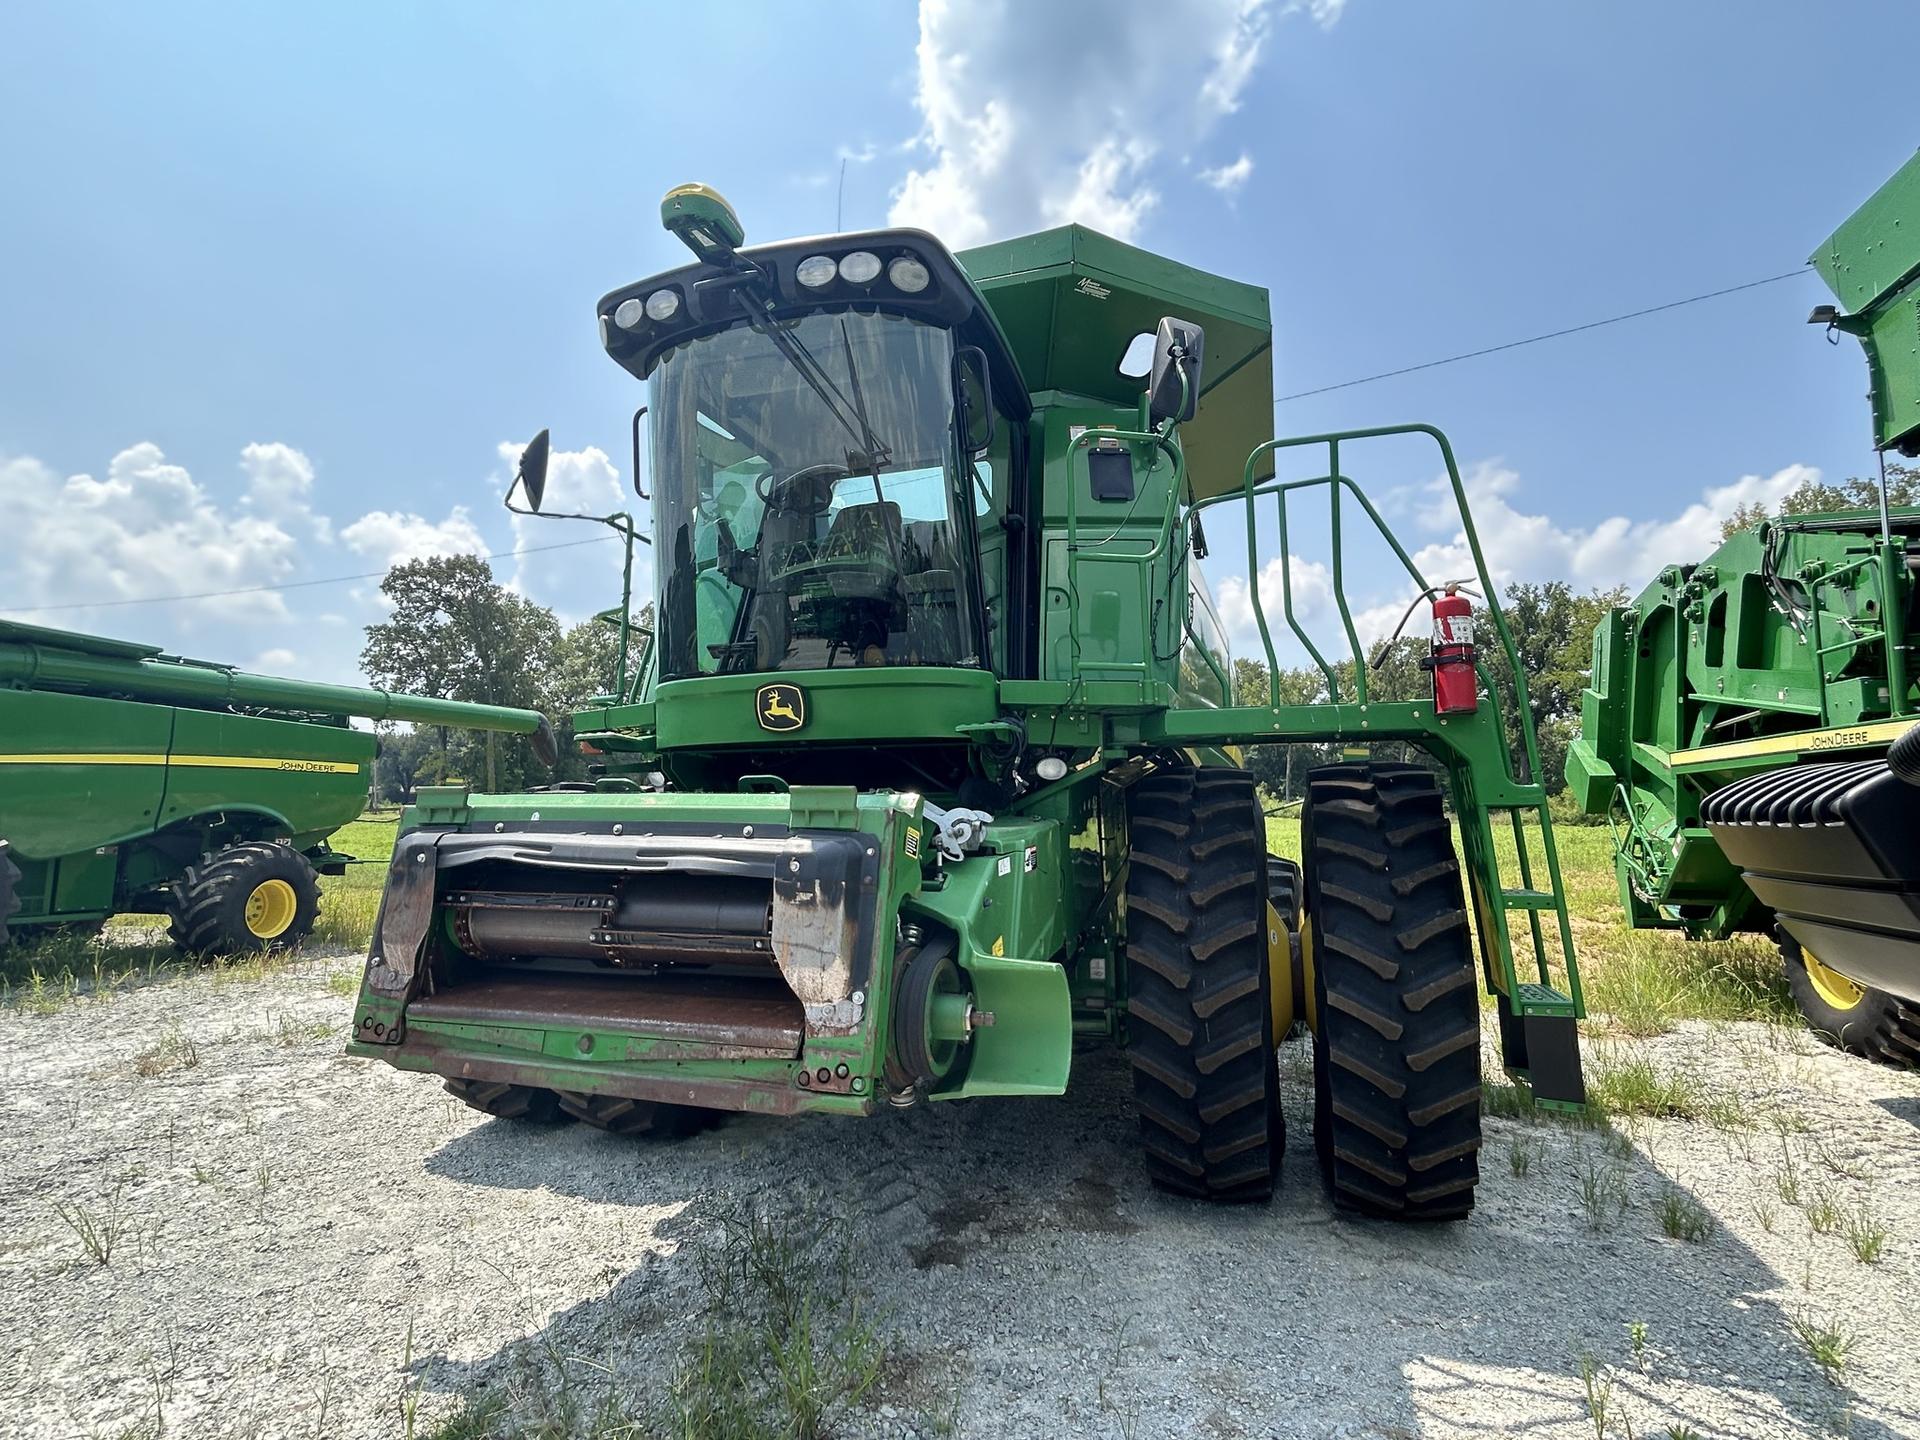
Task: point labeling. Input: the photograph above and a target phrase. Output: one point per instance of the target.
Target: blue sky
(282, 283)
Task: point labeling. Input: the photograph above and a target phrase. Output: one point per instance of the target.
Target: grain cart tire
(1855, 1018)
(9, 892)
(527, 1103)
(253, 896)
(1396, 1062)
(621, 1115)
(1200, 1038)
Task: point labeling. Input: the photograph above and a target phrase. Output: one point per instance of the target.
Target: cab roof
(1071, 300)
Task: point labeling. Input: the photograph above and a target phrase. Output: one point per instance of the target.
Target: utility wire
(1297, 395)
(289, 585)
(1550, 335)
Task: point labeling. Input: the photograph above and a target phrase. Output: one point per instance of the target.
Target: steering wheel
(764, 484)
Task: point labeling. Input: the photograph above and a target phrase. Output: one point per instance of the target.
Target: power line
(1550, 335)
(290, 585)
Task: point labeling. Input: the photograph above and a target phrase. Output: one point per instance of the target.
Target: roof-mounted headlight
(628, 313)
(862, 267)
(908, 275)
(663, 304)
(816, 271)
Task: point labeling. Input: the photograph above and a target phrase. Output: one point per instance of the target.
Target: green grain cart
(132, 781)
(1743, 729)
(926, 780)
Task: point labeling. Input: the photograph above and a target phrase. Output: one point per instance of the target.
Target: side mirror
(1177, 352)
(973, 399)
(532, 476)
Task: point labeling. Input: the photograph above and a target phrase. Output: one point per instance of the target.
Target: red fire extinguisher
(1451, 661)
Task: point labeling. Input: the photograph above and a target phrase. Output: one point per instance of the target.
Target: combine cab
(925, 778)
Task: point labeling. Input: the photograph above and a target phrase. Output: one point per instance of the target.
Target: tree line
(456, 633)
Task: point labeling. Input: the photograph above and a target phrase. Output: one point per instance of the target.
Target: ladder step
(1531, 999)
(1529, 900)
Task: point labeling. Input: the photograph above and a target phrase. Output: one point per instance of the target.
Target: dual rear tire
(1389, 967)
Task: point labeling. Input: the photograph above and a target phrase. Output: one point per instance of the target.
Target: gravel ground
(307, 1241)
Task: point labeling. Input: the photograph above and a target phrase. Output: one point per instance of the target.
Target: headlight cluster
(660, 305)
(862, 267)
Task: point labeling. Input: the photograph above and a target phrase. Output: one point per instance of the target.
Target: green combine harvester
(925, 779)
(1748, 730)
(132, 781)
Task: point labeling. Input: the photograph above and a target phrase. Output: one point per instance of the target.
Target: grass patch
(1827, 1341)
(52, 971)
(785, 1346)
(174, 1051)
(1683, 1217)
(99, 1230)
(1631, 1084)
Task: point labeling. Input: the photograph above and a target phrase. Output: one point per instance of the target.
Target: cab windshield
(810, 512)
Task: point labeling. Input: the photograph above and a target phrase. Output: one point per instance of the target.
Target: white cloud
(147, 529)
(280, 488)
(1228, 179)
(1043, 114)
(1312, 585)
(1519, 545)
(278, 658)
(391, 537)
(1618, 550)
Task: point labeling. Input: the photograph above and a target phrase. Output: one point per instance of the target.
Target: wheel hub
(270, 909)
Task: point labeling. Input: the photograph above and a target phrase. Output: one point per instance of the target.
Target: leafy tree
(1552, 630)
(409, 757)
(1813, 497)
(456, 634)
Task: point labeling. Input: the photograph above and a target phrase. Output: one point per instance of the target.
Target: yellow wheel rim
(270, 909)
(1830, 985)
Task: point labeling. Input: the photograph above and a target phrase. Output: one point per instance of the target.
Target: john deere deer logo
(781, 707)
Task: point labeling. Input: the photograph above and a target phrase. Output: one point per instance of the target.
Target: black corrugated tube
(1904, 757)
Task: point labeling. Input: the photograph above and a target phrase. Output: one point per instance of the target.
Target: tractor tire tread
(1397, 1057)
(205, 905)
(1205, 1076)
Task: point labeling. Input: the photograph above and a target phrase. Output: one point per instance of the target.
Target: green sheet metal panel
(77, 771)
(20, 633)
(1872, 263)
(1070, 302)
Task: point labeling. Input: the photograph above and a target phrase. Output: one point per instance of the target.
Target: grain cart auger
(132, 781)
(1737, 727)
(924, 779)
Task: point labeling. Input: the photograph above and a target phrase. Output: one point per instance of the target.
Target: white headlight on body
(908, 275)
(628, 314)
(860, 267)
(816, 271)
(1051, 768)
(663, 304)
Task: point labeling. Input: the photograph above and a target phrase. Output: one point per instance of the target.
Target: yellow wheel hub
(1830, 985)
(270, 909)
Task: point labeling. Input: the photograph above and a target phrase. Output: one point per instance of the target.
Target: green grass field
(1637, 983)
